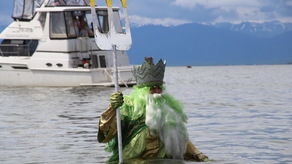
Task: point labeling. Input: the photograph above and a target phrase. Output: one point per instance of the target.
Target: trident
(107, 41)
(113, 41)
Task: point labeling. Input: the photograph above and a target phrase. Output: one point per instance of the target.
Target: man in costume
(153, 122)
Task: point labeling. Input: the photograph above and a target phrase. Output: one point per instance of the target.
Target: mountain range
(219, 44)
(265, 29)
(213, 44)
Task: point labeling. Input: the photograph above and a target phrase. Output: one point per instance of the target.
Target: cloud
(289, 3)
(224, 10)
(176, 12)
(140, 21)
(239, 10)
(222, 4)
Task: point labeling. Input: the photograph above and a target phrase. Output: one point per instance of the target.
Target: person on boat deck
(153, 122)
(81, 27)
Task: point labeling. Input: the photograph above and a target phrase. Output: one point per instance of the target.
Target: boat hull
(62, 78)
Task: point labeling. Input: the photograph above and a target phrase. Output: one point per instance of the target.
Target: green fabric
(133, 122)
(137, 97)
(136, 146)
(130, 129)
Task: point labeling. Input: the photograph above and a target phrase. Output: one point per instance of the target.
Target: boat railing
(126, 81)
(14, 50)
(18, 47)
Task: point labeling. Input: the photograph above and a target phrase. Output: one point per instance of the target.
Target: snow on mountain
(265, 29)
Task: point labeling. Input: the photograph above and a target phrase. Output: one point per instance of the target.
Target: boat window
(18, 47)
(72, 30)
(25, 10)
(70, 24)
(82, 23)
(89, 21)
(94, 60)
(57, 25)
(102, 61)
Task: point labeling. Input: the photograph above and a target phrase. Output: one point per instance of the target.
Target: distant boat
(188, 66)
(45, 47)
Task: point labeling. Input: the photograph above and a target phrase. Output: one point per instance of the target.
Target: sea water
(237, 114)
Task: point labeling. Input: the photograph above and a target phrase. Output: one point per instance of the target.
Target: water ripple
(237, 114)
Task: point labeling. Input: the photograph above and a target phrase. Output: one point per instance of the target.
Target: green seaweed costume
(137, 138)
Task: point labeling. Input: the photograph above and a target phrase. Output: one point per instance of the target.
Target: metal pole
(119, 126)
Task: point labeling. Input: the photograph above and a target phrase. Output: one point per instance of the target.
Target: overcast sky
(176, 12)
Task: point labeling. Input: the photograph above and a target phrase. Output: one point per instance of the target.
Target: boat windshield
(24, 9)
(72, 24)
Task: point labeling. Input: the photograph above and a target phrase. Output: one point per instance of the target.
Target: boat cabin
(61, 43)
(58, 26)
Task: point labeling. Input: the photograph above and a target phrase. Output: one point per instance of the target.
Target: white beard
(164, 122)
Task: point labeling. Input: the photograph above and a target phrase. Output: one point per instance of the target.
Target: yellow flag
(109, 3)
(124, 3)
(92, 4)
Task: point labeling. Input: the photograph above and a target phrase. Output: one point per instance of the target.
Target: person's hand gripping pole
(116, 100)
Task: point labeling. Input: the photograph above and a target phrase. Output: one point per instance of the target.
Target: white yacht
(45, 46)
